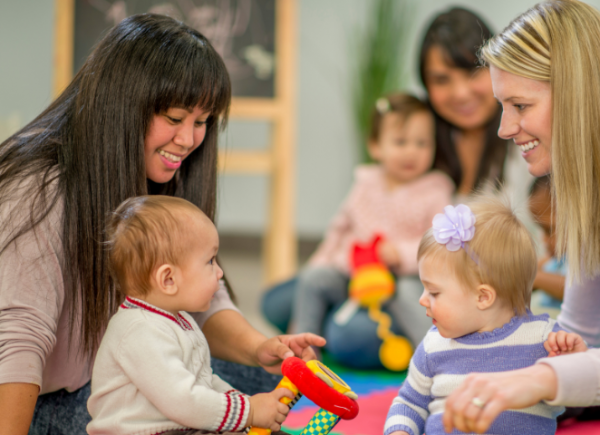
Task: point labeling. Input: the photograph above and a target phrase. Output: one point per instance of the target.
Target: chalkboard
(242, 31)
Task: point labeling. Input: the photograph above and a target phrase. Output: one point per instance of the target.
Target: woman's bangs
(197, 77)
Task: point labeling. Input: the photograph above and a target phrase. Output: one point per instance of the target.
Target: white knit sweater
(152, 374)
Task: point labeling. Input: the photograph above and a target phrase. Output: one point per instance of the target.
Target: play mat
(376, 389)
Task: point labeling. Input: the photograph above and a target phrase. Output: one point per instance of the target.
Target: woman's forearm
(17, 402)
(232, 338)
(551, 283)
(500, 391)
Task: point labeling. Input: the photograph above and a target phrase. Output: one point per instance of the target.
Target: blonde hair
(558, 42)
(144, 233)
(501, 253)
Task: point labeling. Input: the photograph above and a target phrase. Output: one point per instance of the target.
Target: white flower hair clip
(383, 105)
(454, 227)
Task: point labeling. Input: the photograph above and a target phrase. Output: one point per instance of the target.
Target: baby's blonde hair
(144, 233)
(501, 253)
(558, 42)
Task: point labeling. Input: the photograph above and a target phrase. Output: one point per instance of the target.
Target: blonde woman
(545, 70)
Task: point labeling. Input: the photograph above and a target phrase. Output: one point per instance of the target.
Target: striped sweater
(440, 364)
(152, 374)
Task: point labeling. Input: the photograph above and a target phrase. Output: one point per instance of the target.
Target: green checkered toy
(321, 423)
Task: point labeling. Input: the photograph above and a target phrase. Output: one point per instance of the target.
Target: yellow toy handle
(284, 383)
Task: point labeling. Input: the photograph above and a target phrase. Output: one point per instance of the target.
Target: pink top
(401, 215)
(34, 345)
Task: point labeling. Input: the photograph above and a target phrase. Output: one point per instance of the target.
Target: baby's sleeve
(409, 410)
(220, 385)
(171, 387)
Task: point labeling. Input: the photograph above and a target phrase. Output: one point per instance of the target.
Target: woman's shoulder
(27, 199)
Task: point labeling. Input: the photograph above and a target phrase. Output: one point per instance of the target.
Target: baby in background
(477, 265)
(396, 198)
(152, 372)
(551, 274)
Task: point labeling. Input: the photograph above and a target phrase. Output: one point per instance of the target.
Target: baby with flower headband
(477, 265)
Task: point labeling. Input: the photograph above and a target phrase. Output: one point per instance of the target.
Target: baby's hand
(563, 342)
(267, 411)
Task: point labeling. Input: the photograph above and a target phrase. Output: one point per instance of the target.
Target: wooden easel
(276, 162)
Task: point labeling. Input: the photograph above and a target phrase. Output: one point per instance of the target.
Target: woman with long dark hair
(467, 114)
(142, 116)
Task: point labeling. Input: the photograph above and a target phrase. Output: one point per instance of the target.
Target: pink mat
(574, 427)
(373, 411)
(370, 420)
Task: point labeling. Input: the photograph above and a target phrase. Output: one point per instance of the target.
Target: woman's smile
(170, 160)
(172, 137)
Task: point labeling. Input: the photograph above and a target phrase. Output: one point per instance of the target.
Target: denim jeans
(64, 413)
(316, 293)
(61, 413)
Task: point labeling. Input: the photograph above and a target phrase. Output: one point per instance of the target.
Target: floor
(240, 258)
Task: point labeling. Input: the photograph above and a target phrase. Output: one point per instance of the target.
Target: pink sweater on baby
(401, 215)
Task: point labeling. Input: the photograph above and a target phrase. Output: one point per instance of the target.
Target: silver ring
(478, 402)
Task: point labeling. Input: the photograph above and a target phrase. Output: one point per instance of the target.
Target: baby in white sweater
(152, 372)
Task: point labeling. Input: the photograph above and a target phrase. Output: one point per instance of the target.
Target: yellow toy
(323, 387)
(371, 285)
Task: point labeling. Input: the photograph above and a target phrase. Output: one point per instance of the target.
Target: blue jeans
(61, 413)
(64, 413)
(316, 293)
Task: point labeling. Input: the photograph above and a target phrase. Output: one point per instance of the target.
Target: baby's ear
(486, 296)
(165, 279)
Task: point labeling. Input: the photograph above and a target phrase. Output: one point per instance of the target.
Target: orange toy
(371, 285)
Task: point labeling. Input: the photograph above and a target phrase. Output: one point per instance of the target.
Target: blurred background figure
(552, 271)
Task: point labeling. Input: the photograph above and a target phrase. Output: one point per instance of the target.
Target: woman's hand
(271, 353)
(563, 342)
(474, 405)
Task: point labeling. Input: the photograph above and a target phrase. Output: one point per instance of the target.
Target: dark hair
(459, 33)
(400, 103)
(87, 147)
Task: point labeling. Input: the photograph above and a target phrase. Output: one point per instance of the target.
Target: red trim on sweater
(185, 321)
(239, 420)
(226, 413)
(140, 304)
